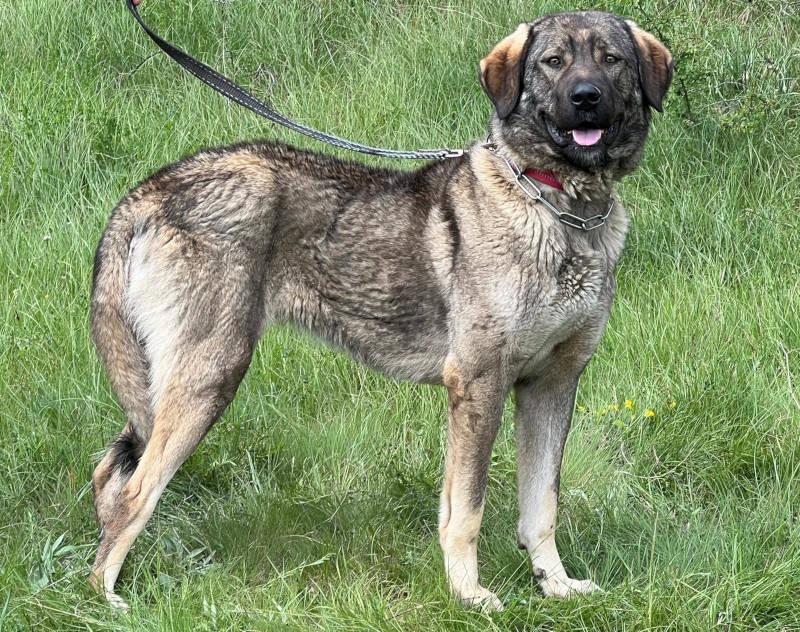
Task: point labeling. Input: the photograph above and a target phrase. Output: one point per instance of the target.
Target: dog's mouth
(584, 136)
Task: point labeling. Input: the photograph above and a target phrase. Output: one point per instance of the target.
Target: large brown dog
(451, 275)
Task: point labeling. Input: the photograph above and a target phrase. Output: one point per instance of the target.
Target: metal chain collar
(530, 189)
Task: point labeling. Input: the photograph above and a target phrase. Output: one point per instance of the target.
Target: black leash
(225, 86)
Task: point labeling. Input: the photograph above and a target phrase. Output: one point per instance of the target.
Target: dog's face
(573, 90)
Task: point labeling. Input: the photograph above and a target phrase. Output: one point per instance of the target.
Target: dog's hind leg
(198, 314)
(474, 413)
(202, 383)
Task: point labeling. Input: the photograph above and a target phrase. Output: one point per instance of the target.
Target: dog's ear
(500, 72)
(655, 65)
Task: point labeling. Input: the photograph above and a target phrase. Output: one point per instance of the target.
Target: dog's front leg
(543, 415)
(475, 407)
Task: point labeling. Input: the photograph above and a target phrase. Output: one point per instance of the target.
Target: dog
(457, 274)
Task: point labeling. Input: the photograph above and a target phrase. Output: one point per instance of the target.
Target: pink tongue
(587, 137)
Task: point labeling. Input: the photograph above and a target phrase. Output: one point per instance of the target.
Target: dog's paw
(561, 587)
(484, 599)
(117, 602)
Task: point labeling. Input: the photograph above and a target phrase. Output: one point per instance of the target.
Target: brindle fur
(445, 275)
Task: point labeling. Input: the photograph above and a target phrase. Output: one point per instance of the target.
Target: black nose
(585, 95)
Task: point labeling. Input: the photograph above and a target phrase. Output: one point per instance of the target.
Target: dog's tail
(119, 348)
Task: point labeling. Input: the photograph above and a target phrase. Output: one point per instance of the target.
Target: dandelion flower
(581, 408)
(649, 413)
(672, 404)
(628, 404)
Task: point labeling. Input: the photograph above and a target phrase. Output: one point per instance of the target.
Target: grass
(312, 504)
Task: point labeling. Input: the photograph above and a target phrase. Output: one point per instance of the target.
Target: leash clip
(452, 153)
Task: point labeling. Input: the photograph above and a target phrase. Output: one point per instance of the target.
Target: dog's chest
(575, 296)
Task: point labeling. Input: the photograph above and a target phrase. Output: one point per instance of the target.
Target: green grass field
(312, 504)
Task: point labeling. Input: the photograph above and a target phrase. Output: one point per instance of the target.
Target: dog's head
(573, 90)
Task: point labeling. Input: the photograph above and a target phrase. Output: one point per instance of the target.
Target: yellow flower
(616, 408)
(672, 404)
(581, 408)
(628, 404)
(649, 413)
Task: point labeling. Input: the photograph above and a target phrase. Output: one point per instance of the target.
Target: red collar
(546, 177)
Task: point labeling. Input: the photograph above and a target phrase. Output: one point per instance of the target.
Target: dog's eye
(610, 59)
(555, 62)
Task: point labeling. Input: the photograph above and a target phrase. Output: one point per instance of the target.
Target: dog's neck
(578, 185)
(582, 198)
